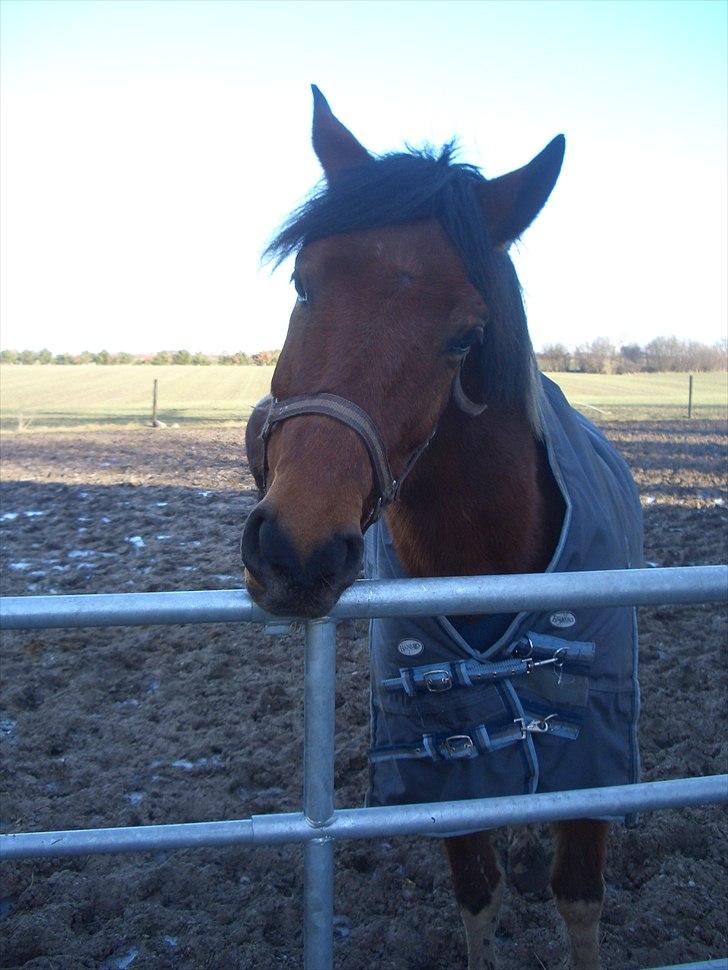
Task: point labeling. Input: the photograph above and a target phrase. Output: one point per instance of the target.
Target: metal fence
(319, 824)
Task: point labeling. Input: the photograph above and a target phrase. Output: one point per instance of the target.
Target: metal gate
(319, 824)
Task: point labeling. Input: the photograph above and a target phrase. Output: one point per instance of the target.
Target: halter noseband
(356, 418)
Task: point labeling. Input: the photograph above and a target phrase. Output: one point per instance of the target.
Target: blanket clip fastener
(536, 726)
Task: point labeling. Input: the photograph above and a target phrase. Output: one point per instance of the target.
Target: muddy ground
(151, 725)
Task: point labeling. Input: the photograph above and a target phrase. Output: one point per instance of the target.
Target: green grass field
(55, 397)
(638, 397)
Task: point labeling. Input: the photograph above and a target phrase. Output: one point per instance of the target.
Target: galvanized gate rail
(319, 824)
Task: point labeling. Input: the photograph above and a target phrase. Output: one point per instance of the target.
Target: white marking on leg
(582, 924)
(480, 931)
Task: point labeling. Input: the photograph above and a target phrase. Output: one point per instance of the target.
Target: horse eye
(300, 289)
(461, 345)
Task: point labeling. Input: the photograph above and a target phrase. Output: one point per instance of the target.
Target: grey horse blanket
(553, 703)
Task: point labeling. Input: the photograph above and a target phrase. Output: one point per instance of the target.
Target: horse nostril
(250, 541)
(269, 554)
(266, 550)
(340, 557)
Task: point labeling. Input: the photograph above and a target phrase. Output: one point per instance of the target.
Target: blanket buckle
(438, 680)
(458, 744)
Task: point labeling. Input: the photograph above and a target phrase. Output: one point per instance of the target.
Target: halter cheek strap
(348, 413)
(354, 417)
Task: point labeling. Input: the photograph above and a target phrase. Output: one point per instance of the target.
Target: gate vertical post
(318, 792)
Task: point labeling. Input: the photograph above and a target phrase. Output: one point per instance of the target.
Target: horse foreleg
(478, 884)
(578, 885)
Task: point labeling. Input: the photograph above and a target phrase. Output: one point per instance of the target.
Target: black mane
(416, 185)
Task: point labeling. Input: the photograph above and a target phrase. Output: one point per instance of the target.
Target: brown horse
(407, 382)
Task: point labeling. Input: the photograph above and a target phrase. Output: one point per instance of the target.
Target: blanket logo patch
(410, 648)
(562, 619)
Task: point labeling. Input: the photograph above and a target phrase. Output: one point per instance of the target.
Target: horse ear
(513, 201)
(335, 146)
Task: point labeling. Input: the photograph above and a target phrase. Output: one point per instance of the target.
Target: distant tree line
(161, 358)
(601, 356)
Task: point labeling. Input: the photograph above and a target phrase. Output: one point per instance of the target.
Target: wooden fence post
(690, 395)
(154, 403)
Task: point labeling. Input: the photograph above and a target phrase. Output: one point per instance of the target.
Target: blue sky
(149, 149)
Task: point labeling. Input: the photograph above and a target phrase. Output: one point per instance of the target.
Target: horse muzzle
(284, 582)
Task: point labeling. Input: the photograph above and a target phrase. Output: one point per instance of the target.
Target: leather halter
(356, 418)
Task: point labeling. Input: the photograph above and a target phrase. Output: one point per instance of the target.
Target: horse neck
(481, 500)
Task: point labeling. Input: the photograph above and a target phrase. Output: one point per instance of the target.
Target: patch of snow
(32, 515)
(105, 519)
(136, 541)
(134, 797)
(718, 501)
(80, 553)
(86, 565)
(171, 941)
(153, 686)
(649, 499)
(204, 494)
(162, 537)
(161, 505)
(38, 572)
(8, 516)
(20, 566)
(120, 961)
(188, 765)
(7, 726)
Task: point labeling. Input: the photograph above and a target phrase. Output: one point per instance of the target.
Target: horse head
(407, 308)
